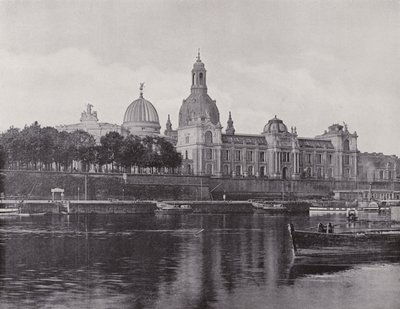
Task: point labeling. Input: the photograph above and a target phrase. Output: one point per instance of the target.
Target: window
(319, 172)
(346, 145)
(225, 170)
(308, 157)
(208, 137)
(346, 160)
(380, 175)
(209, 154)
(319, 158)
(237, 155)
(238, 170)
(262, 156)
(250, 170)
(262, 171)
(225, 155)
(330, 159)
(330, 173)
(285, 156)
(187, 139)
(389, 174)
(209, 169)
(250, 156)
(186, 154)
(308, 172)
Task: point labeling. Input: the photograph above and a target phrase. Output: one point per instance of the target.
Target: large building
(276, 153)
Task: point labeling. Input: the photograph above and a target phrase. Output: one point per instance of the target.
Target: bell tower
(199, 74)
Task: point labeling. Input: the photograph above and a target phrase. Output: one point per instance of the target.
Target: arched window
(186, 154)
(285, 173)
(201, 78)
(189, 169)
(209, 169)
(193, 76)
(208, 137)
(346, 145)
(238, 170)
(226, 170)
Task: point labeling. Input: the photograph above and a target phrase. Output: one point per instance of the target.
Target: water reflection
(145, 261)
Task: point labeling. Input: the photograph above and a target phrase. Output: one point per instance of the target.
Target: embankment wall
(102, 186)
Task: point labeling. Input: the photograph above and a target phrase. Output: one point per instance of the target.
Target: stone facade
(275, 153)
(90, 123)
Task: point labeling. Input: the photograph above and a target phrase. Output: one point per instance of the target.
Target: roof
(244, 139)
(315, 143)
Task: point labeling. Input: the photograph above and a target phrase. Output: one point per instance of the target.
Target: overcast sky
(311, 63)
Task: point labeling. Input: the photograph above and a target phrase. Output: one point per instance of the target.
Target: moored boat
(269, 206)
(169, 209)
(326, 241)
(9, 211)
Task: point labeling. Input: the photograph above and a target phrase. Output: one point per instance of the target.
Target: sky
(311, 63)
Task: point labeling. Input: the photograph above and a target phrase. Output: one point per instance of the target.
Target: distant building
(90, 123)
(141, 118)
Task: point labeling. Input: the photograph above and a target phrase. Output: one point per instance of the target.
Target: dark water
(237, 261)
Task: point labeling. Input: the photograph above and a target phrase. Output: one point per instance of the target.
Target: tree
(131, 151)
(64, 150)
(83, 145)
(8, 140)
(47, 145)
(169, 156)
(110, 150)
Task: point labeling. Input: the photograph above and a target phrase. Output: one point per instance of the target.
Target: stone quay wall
(114, 186)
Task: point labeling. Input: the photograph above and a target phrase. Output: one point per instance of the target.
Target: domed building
(141, 118)
(275, 153)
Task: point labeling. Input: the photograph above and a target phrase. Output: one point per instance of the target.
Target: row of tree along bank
(45, 148)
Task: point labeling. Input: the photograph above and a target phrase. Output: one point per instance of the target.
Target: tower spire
(198, 55)
(230, 130)
(141, 89)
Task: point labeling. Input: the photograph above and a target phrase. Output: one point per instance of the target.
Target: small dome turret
(275, 125)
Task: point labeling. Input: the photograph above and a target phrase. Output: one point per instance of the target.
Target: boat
(374, 206)
(9, 211)
(169, 209)
(331, 206)
(32, 214)
(269, 206)
(326, 241)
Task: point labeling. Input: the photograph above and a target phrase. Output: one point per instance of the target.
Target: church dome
(141, 118)
(275, 125)
(198, 107)
(141, 110)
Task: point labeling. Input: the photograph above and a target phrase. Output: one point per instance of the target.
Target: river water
(190, 261)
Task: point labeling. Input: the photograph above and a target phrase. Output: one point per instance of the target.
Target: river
(190, 261)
